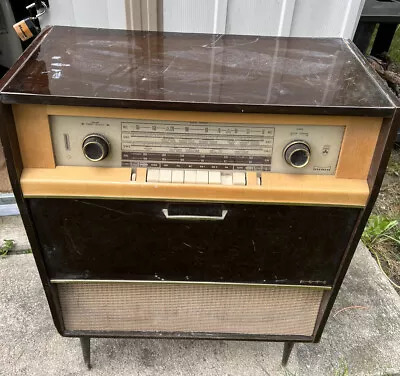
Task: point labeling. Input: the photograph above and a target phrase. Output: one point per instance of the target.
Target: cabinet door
(115, 239)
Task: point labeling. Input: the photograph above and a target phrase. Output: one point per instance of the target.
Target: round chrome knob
(95, 147)
(297, 154)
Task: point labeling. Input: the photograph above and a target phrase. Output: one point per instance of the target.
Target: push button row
(195, 177)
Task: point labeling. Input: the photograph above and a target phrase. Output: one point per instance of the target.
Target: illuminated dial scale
(196, 152)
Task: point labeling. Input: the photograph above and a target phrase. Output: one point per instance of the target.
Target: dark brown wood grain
(380, 160)
(23, 58)
(9, 141)
(132, 240)
(140, 69)
(193, 335)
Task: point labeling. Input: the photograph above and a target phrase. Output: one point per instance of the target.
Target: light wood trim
(315, 189)
(251, 178)
(355, 158)
(141, 174)
(217, 117)
(34, 137)
(115, 183)
(358, 146)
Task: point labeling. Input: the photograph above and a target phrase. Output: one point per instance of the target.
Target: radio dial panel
(280, 148)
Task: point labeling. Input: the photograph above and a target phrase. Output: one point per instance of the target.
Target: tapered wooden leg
(287, 349)
(85, 345)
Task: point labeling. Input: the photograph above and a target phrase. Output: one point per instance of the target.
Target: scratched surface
(116, 239)
(131, 66)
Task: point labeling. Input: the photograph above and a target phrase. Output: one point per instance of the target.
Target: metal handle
(39, 11)
(196, 217)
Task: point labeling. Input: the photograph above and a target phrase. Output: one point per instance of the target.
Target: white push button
(214, 177)
(202, 177)
(177, 176)
(165, 176)
(239, 178)
(153, 175)
(226, 179)
(190, 177)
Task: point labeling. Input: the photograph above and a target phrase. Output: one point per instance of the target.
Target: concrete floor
(11, 227)
(366, 340)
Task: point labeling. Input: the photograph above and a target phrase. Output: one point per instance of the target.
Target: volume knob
(297, 154)
(95, 147)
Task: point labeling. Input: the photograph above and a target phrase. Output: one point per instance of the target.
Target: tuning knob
(95, 147)
(297, 154)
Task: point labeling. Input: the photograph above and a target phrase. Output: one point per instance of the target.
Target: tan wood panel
(141, 174)
(218, 117)
(358, 147)
(115, 183)
(354, 161)
(34, 137)
(358, 143)
(251, 178)
(5, 185)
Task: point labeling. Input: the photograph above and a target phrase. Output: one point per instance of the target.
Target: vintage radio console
(194, 186)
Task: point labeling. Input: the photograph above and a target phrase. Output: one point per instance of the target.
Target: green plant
(394, 51)
(288, 373)
(342, 369)
(380, 230)
(393, 168)
(7, 246)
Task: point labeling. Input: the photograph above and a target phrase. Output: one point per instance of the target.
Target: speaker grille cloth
(207, 308)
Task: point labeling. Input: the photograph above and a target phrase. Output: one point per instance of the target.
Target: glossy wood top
(99, 67)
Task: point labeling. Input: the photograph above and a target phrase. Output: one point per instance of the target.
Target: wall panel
(88, 13)
(259, 17)
(312, 18)
(328, 18)
(189, 15)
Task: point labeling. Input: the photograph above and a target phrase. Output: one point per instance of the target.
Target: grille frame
(317, 294)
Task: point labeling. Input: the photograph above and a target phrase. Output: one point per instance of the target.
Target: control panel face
(108, 142)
